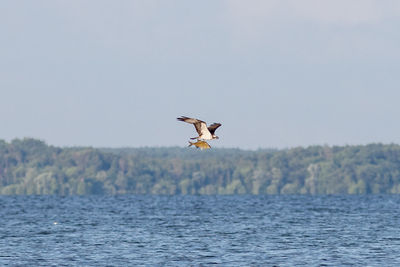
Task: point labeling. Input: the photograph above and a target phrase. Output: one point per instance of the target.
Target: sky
(275, 73)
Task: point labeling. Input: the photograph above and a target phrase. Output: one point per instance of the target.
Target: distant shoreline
(31, 167)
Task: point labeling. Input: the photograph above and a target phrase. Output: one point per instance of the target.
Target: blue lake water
(200, 230)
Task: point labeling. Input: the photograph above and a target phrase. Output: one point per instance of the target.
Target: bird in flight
(205, 133)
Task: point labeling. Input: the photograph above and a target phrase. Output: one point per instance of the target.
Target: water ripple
(200, 230)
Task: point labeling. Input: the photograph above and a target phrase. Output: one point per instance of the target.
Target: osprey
(205, 133)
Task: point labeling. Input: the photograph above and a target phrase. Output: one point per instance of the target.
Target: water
(200, 230)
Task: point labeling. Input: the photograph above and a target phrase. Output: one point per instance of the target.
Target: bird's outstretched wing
(201, 126)
(214, 127)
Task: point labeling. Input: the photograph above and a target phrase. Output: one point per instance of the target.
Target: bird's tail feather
(190, 144)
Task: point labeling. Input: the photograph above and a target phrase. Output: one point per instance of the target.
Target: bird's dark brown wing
(200, 125)
(213, 127)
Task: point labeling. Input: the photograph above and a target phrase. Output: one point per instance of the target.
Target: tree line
(30, 166)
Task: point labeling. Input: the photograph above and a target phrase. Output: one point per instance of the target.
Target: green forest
(31, 167)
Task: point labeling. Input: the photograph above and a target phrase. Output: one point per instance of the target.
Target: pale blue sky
(274, 73)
